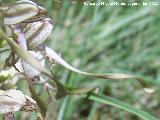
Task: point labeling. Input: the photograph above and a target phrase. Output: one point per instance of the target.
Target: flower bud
(36, 32)
(23, 11)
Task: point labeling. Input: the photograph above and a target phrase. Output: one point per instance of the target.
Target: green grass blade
(119, 104)
(61, 112)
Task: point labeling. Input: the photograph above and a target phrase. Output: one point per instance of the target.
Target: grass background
(103, 39)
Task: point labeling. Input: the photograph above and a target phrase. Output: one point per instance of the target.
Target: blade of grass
(63, 107)
(139, 14)
(122, 105)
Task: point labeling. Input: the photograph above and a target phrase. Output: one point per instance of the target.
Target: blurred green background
(103, 39)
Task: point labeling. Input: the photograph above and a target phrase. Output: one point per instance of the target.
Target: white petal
(11, 100)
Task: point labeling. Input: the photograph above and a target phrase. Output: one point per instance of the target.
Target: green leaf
(122, 105)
